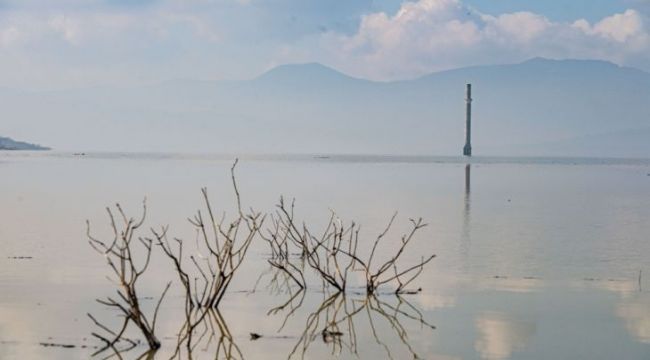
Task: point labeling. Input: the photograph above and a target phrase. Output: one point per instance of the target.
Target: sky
(48, 44)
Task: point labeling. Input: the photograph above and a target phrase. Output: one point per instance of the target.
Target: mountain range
(540, 107)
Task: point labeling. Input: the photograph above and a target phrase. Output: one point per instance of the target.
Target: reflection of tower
(468, 169)
(467, 150)
(467, 207)
(465, 236)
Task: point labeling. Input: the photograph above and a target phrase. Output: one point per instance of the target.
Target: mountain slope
(310, 108)
(11, 144)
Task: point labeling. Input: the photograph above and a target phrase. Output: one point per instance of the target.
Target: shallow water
(536, 258)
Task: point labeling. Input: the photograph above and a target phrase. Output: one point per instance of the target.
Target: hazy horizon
(539, 107)
(316, 64)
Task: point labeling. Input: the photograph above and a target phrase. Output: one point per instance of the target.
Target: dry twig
(334, 254)
(120, 254)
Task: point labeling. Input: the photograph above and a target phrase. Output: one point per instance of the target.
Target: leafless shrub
(334, 253)
(281, 257)
(322, 253)
(206, 268)
(128, 266)
(221, 247)
(381, 275)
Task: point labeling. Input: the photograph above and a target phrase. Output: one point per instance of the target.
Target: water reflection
(342, 325)
(339, 320)
(122, 354)
(465, 234)
(433, 301)
(633, 307)
(204, 332)
(468, 170)
(500, 336)
(547, 233)
(512, 284)
(635, 312)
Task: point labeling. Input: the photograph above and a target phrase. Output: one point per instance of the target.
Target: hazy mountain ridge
(11, 144)
(310, 108)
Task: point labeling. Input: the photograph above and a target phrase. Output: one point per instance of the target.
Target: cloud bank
(430, 35)
(95, 42)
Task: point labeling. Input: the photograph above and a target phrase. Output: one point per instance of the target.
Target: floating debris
(66, 346)
(255, 336)
(329, 336)
(410, 292)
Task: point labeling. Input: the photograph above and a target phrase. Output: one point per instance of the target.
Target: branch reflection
(339, 318)
(206, 330)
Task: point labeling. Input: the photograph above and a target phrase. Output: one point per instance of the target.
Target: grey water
(537, 258)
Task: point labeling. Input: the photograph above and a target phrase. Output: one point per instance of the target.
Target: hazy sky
(70, 43)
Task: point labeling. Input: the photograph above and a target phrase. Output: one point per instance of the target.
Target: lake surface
(536, 258)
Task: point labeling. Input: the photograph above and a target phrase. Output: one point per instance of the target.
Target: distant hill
(538, 107)
(10, 144)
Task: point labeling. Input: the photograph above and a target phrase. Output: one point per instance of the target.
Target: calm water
(537, 258)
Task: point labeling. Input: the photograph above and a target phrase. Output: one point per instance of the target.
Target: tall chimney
(467, 150)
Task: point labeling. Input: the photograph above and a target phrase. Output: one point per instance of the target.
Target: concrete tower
(467, 150)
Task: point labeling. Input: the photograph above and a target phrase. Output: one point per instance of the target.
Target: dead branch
(221, 248)
(278, 239)
(321, 253)
(334, 254)
(378, 276)
(121, 256)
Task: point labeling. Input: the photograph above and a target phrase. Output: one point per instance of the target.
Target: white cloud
(518, 28)
(78, 28)
(107, 41)
(627, 28)
(621, 27)
(9, 36)
(81, 47)
(429, 35)
(69, 29)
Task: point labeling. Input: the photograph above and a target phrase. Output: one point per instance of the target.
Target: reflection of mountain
(500, 336)
(310, 108)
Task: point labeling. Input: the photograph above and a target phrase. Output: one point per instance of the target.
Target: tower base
(467, 150)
